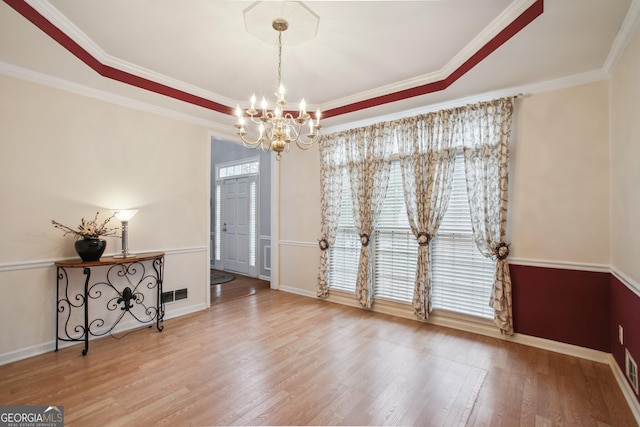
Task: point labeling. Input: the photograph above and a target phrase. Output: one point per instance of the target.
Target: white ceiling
(361, 50)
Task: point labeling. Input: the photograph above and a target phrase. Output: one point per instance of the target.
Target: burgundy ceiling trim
(502, 37)
(68, 43)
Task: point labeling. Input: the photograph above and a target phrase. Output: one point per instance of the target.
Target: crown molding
(55, 17)
(107, 71)
(45, 16)
(530, 13)
(530, 9)
(627, 29)
(499, 24)
(524, 90)
(11, 70)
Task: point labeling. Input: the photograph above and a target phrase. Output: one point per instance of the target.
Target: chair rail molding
(46, 263)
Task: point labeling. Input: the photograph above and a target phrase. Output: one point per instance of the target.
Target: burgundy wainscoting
(625, 311)
(568, 306)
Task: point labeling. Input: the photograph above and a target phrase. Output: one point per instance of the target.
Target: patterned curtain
(332, 164)
(368, 152)
(487, 127)
(427, 159)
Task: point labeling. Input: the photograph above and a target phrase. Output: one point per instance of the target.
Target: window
(461, 277)
(233, 170)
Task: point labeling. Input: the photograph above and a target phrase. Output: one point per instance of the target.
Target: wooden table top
(111, 260)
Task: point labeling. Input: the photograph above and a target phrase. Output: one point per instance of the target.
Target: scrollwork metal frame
(126, 298)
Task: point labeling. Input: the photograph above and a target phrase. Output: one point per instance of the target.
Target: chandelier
(278, 128)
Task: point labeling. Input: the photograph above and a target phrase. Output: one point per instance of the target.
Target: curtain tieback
(324, 244)
(502, 251)
(364, 239)
(424, 238)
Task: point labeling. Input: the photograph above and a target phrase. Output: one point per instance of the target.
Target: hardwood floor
(241, 286)
(281, 359)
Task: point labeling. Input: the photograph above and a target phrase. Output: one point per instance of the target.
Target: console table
(119, 286)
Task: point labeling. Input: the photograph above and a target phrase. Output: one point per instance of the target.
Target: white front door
(236, 224)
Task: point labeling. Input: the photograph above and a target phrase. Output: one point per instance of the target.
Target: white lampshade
(126, 214)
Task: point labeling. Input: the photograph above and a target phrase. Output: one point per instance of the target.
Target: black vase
(90, 249)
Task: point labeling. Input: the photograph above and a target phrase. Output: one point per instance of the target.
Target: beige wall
(299, 219)
(559, 176)
(625, 163)
(64, 156)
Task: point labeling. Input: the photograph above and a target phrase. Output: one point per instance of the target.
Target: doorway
(236, 216)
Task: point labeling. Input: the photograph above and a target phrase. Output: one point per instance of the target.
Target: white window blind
(343, 255)
(461, 277)
(395, 247)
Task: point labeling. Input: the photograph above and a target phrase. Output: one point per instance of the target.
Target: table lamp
(124, 216)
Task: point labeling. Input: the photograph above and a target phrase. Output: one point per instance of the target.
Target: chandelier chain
(279, 58)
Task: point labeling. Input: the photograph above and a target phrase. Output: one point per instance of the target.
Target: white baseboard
(27, 352)
(625, 387)
(298, 291)
(49, 346)
(560, 347)
(173, 313)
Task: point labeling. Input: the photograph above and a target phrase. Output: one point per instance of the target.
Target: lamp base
(125, 256)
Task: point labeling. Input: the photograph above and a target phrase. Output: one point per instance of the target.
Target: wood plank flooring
(281, 359)
(241, 286)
